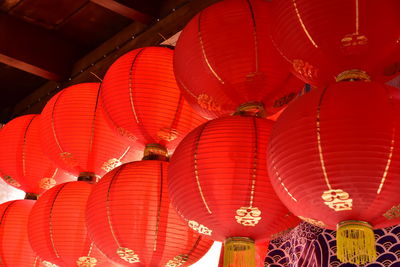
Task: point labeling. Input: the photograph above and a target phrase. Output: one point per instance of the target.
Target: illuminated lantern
(22, 159)
(221, 64)
(322, 39)
(131, 220)
(143, 101)
(334, 161)
(75, 134)
(57, 227)
(218, 182)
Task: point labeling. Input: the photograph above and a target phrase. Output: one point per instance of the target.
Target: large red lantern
(131, 220)
(334, 161)
(218, 181)
(322, 39)
(143, 101)
(22, 160)
(221, 64)
(75, 134)
(57, 227)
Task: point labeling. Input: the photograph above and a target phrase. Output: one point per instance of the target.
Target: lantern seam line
(254, 35)
(130, 85)
(254, 169)
(24, 147)
(94, 121)
(159, 207)
(302, 24)
(53, 122)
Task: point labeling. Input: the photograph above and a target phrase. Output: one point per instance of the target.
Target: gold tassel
(355, 242)
(239, 252)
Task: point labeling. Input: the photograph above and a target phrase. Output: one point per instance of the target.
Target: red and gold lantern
(218, 182)
(76, 136)
(22, 160)
(322, 39)
(221, 64)
(334, 161)
(57, 227)
(143, 101)
(132, 221)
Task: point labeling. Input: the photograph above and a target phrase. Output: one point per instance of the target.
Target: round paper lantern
(143, 101)
(15, 249)
(218, 182)
(334, 161)
(322, 39)
(131, 220)
(57, 227)
(75, 134)
(22, 159)
(221, 63)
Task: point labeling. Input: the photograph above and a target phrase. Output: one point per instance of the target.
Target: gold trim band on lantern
(353, 75)
(155, 152)
(89, 177)
(253, 109)
(354, 222)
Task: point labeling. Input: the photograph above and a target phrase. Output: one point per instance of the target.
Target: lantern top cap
(89, 177)
(353, 75)
(155, 152)
(31, 196)
(251, 109)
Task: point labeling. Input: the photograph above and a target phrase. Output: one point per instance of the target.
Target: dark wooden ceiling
(48, 44)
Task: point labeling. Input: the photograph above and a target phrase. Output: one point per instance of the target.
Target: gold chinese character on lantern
(128, 255)
(248, 216)
(111, 164)
(199, 228)
(337, 200)
(86, 262)
(177, 261)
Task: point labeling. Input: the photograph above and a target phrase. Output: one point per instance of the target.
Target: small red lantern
(57, 227)
(75, 134)
(322, 39)
(143, 101)
(22, 160)
(218, 182)
(131, 220)
(221, 64)
(334, 161)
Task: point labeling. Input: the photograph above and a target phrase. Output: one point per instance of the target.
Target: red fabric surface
(57, 226)
(224, 61)
(143, 101)
(75, 134)
(15, 250)
(130, 208)
(309, 34)
(215, 166)
(358, 146)
(22, 160)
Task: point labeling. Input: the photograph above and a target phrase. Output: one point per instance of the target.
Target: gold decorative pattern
(389, 160)
(123, 132)
(337, 199)
(317, 223)
(128, 255)
(86, 262)
(167, 134)
(111, 164)
(200, 228)
(248, 216)
(11, 181)
(49, 264)
(68, 158)
(305, 69)
(392, 213)
(354, 39)
(208, 102)
(47, 183)
(177, 261)
(296, 9)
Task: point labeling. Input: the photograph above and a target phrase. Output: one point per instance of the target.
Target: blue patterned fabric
(310, 246)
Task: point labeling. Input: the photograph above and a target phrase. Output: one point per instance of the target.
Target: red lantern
(22, 159)
(222, 63)
(131, 220)
(218, 181)
(322, 39)
(15, 249)
(334, 158)
(76, 136)
(143, 101)
(57, 227)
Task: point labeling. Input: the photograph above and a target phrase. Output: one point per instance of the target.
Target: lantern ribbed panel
(57, 226)
(22, 159)
(324, 38)
(222, 63)
(357, 152)
(15, 250)
(143, 101)
(211, 176)
(130, 208)
(75, 134)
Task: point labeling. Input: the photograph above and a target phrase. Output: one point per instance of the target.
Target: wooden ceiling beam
(33, 49)
(125, 11)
